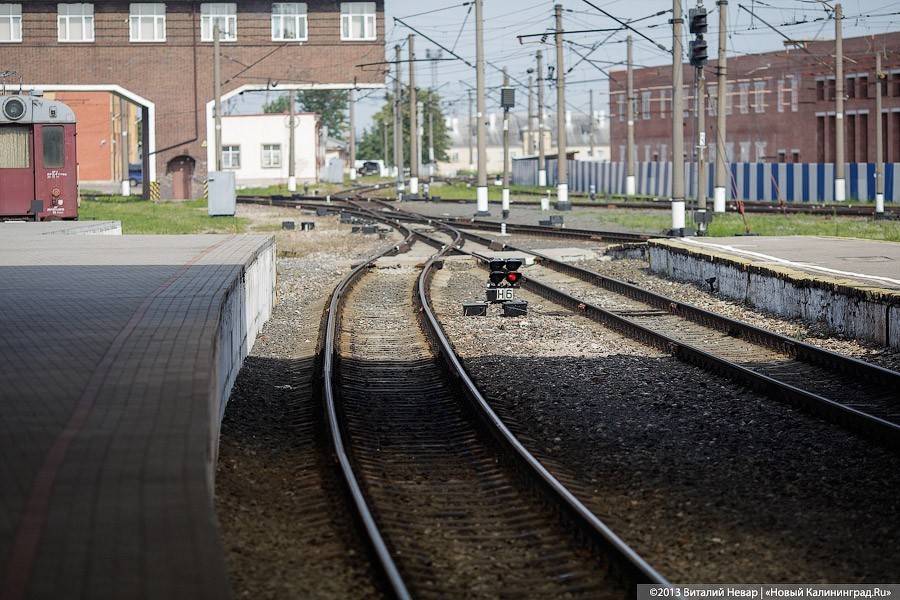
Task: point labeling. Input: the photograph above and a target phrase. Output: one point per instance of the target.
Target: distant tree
(331, 105)
(371, 146)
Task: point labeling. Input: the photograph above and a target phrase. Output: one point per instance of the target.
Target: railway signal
(504, 278)
(697, 20)
(698, 52)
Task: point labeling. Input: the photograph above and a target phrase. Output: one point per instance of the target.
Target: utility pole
(677, 121)
(719, 198)
(504, 204)
(123, 140)
(431, 132)
(384, 134)
(530, 144)
(542, 159)
(481, 198)
(352, 98)
(630, 187)
(414, 155)
(700, 106)
(591, 130)
(398, 121)
(292, 125)
(438, 54)
(217, 76)
(471, 122)
(879, 151)
(840, 190)
(562, 177)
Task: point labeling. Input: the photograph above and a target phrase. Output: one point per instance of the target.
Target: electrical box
(507, 97)
(222, 200)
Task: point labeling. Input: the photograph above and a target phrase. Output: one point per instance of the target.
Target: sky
(589, 54)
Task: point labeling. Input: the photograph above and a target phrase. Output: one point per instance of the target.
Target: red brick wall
(178, 75)
(791, 130)
(94, 133)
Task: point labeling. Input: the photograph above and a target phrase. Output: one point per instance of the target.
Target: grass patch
(145, 217)
(731, 224)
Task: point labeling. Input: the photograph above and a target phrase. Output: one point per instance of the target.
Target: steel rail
(855, 419)
(636, 568)
(376, 541)
(795, 348)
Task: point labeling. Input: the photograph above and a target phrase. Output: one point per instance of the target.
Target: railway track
(848, 391)
(451, 507)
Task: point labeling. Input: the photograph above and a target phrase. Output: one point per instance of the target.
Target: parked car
(135, 174)
(369, 167)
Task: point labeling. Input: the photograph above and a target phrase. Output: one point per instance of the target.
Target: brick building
(780, 105)
(160, 57)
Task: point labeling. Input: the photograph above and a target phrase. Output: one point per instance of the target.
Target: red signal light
(513, 277)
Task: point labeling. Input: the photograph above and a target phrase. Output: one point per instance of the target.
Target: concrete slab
(852, 285)
(118, 355)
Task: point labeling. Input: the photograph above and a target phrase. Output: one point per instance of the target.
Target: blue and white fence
(791, 182)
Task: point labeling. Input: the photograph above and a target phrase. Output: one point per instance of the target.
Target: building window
(645, 105)
(713, 100)
(357, 20)
(271, 156)
(223, 14)
(850, 87)
(663, 100)
(621, 104)
(289, 22)
(759, 96)
(10, 23)
(148, 22)
(729, 98)
(744, 99)
(863, 82)
(75, 22)
(231, 157)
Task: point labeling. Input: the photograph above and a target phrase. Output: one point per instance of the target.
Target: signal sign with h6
(503, 280)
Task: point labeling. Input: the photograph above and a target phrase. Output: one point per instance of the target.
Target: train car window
(14, 152)
(52, 137)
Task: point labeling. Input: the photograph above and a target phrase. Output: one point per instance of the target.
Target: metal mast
(562, 168)
(719, 197)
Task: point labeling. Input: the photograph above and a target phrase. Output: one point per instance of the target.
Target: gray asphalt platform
(118, 353)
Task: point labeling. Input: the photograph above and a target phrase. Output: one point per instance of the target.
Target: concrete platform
(852, 285)
(119, 353)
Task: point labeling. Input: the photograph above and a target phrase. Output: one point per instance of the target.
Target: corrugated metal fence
(792, 182)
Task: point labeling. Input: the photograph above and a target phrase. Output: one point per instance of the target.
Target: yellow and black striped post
(154, 191)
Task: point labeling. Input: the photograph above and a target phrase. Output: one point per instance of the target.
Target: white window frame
(365, 11)
(66, 16)
(645, 106)
(293, 12)
(11, 16)
(147, 13)
(759, 97)
(222, 13)
(744, 98)
(271, 156)
(712, 99)
(231, 156)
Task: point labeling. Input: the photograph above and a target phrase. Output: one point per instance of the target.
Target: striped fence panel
(791, 182)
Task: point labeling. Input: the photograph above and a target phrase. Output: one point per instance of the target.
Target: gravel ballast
(711, 482)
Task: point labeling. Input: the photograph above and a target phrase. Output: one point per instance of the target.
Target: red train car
(38, 168)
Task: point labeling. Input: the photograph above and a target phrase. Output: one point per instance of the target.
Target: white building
(256, 148)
